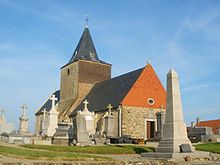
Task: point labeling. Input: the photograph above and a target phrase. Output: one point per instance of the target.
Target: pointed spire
(85, 49)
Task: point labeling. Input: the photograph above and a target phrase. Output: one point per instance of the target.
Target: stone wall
(77, 79)
(68, 86)
(134, 118)
(93, 72)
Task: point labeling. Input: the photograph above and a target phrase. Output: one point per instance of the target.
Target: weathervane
(86, 20)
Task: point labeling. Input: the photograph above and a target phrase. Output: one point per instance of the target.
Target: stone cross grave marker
(24, 108)
(53, 99)
(2, 119)
(2, 112)
(44, 113)
(109, 109)
(85, 105)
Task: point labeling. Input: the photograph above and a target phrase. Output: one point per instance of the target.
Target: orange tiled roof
(147, 86)
(214, 124)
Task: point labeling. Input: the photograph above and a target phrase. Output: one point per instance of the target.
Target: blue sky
(38, 37)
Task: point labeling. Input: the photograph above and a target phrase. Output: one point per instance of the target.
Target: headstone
(23, 129)
(84, 126)
(44, 123)
(64, 134)
(2, 117)
(82, 135)
(109, 122)
(185, 148)
(4, 125)
(52, 118)
(160, 121)
(174, 128)
(89, 117)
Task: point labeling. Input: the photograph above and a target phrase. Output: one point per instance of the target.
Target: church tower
(80, 74)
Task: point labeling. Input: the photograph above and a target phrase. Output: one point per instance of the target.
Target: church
(135, 100)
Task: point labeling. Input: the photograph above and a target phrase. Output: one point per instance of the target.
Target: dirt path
(130, 159)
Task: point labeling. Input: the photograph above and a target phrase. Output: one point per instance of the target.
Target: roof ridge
(119, 76)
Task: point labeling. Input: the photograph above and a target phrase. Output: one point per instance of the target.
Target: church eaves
(85, 49)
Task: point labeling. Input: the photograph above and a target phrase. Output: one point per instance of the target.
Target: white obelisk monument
(174, 128)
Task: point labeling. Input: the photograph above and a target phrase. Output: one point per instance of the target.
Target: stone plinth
(52, 118)
(64, 134)
(23, 128)
(82, 134)
(174, 128)
(109, 125)
(52, 122)
(44, 127)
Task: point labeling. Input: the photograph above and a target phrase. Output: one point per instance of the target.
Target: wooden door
(150, 130)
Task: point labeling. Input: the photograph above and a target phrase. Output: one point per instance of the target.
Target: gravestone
(44, 124)
(4, 125)
(160, 121)
(109, 122)
(82, 135)
(185, 148)
(23, 128)
(83, 126)
(52, 118)
(89, 118)
(64, 134)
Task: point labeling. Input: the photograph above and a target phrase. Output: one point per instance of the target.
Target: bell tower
(80, 74)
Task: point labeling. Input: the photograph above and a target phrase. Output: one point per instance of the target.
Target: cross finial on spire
(86, 20)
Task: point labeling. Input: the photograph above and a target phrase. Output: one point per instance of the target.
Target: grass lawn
(46, 155)
(211, 147)
(107, 149)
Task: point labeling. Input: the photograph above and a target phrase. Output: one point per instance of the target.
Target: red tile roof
(214, 124)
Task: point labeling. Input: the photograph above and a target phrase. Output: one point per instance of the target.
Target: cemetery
(96, 116)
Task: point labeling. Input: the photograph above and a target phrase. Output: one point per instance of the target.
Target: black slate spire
(85, 49)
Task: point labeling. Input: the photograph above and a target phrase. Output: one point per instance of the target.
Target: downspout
(120, 119)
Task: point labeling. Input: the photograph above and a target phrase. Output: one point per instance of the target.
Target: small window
(92, 56)
(68, 71)
(150, 101)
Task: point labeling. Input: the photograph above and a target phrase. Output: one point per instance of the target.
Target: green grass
(211, 147)
(46, 155)
(107, 149)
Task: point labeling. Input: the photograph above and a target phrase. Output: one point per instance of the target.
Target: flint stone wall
(133, 122)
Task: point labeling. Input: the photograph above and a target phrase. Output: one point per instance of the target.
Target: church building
(133, 100)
